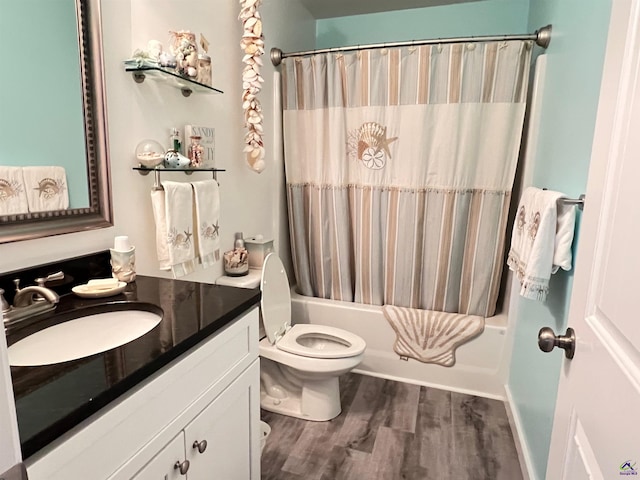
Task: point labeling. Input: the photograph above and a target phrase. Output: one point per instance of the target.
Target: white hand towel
(13, 198)
(46, 188)
(178, 199)
(207, 217)
(160, 217)
(541, 240)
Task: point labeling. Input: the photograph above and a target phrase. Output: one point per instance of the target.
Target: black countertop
(52, 399)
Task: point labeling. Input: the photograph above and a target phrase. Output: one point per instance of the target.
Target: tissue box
(258, 249)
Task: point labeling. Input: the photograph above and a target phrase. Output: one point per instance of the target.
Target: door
(222, 442)
(596, 432)
(167, 463)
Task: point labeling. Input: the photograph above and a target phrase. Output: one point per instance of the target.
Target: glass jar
(185, 49)
(196, 152)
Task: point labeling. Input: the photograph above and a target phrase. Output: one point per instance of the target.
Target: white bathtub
(480, 367)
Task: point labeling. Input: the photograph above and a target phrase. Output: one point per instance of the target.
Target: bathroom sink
(84, 333)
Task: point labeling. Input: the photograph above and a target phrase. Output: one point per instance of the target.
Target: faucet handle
(16, 282)
(41, 281)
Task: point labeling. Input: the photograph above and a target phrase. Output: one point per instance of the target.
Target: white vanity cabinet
(210, 394)
(216, 444)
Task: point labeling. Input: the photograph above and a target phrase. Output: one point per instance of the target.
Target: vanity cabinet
(216, 444)
(211, 393)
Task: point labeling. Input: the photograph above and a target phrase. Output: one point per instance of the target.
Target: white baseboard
(522, 447)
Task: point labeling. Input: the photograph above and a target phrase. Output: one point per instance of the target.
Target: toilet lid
(276, 298)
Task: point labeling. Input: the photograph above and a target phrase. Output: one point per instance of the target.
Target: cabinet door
(230, 427)
(162, 466)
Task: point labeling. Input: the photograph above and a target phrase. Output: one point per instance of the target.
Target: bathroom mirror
(53, 111)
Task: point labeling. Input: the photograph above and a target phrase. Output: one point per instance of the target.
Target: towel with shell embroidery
(541, 240)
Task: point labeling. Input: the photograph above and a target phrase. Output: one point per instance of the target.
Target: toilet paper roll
(121, 244)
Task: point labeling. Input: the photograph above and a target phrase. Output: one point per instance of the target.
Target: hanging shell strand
(252, 45)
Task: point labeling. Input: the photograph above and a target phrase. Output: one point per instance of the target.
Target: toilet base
(318, 400)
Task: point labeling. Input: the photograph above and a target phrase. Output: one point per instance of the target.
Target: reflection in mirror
(53, 138)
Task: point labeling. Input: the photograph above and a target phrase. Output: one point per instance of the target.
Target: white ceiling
(343, 8)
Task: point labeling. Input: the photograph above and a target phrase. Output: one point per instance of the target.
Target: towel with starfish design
(46, 188)
(173, 213)
(206, 220)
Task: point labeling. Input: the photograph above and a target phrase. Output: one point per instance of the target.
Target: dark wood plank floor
(390, 430)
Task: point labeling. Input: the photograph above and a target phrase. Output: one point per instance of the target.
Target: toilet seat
(313, 341)
(321, 341)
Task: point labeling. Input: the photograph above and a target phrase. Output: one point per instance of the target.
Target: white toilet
(300, 364)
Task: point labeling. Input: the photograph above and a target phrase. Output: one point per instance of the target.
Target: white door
(596, 432)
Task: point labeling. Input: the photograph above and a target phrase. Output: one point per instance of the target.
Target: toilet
(300, 364)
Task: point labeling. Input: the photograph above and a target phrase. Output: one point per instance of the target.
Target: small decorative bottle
(174, 141)
(195, 152)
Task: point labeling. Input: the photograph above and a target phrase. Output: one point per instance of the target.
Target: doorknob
(547, 340)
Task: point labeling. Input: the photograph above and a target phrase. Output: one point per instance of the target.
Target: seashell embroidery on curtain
(370, 145)
(252, 44)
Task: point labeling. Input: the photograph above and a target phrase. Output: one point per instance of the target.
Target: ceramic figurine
(173, 159)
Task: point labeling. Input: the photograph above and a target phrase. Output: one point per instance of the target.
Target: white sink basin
(82, 337)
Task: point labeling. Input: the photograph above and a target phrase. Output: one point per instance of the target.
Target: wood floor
(389, 430)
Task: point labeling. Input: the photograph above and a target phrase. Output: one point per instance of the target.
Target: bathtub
(481, 364)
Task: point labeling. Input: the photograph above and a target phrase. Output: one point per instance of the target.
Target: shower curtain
(399, 167)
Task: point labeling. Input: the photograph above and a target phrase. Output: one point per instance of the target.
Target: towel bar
(157, 185)
(575, 201)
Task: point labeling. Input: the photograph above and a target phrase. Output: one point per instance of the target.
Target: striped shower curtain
(399, 168)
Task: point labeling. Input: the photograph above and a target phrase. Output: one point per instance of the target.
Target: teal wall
(574, 70)
(487, 17)
(41, 121)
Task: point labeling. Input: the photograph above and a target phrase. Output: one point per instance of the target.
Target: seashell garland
(252, 44)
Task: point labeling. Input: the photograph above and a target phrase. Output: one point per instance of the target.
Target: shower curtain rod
(542, 37)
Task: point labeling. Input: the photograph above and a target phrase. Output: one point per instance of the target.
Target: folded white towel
(541, 240)
(46, 188)
(207, 220)
(13, 199)
(178, 199)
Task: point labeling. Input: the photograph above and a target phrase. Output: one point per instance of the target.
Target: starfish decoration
(216, 230)
(384, 143)
(188, 235)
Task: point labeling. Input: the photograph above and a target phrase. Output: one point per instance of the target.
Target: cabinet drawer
(148, 417)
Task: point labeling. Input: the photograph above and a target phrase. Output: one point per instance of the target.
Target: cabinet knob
(201, 446)
(182, 466)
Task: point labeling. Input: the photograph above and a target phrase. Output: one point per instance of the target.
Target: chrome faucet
(28, 302)
(30, 295)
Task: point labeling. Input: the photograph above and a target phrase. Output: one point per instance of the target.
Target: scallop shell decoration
(50, 187)
(252, 45)
(429, 336)
(9, 189)
(370, 144)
